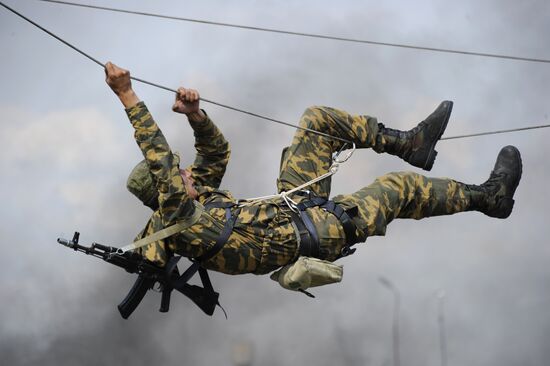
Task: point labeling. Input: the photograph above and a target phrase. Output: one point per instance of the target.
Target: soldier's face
(189, 183)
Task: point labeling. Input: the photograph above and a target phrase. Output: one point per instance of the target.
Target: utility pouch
(308, 272)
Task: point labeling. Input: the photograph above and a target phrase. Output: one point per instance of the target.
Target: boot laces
(418, 128)
(494, 183)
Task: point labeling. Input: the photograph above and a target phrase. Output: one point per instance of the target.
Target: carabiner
(349, 154)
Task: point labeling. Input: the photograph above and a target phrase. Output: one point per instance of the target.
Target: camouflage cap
(142, 184)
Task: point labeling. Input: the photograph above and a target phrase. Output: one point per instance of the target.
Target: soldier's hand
(119, 81)
(117, 78)
(187, 102)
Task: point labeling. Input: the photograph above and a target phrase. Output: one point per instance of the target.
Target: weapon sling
(166, 232)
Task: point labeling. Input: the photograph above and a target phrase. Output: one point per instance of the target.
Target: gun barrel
(105, 248)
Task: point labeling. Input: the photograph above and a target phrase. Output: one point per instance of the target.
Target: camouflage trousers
(394, 195)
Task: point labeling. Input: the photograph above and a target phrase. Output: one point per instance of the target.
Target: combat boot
(416, 146)
(495, 197)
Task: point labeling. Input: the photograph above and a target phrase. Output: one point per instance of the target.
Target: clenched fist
(187, 102)
(119, 81)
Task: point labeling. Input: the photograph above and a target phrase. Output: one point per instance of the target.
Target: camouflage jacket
(263, 238)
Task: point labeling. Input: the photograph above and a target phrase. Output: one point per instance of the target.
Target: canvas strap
(166, 232)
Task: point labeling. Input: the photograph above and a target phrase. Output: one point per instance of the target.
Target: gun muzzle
(64, 242)
(70, 243)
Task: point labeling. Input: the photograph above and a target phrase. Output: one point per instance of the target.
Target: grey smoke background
(67, 148)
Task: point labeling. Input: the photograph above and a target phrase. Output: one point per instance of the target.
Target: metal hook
(289, 202)
(349, 154)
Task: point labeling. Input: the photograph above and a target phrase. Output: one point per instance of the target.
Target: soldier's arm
(212, 148)
(174, 203)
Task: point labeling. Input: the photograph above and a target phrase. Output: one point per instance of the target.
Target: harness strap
(305, 243)
(347, 224)
(230, 219)
(311, 248)
(207, 284)
(312, 202)
(314, 245)
(185, 276)
(195, 293)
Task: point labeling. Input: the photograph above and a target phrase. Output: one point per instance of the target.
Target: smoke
(67, 149)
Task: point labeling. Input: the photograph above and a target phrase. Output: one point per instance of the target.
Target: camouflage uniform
(264, 237)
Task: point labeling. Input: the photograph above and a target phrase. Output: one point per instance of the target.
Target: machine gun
(149, 274)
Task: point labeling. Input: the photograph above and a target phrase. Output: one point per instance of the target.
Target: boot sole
(516, 184)
(432, 152)
(506, 204)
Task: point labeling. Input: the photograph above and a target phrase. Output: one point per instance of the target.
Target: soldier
(267, 235)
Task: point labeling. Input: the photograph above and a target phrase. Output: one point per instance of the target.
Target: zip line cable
(494, 132)
(238, 109)
(304, 34)
(173, 90)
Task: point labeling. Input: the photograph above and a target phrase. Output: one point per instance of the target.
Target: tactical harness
(168, 277)
(307, 237)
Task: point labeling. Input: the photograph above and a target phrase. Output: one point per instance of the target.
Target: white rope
(285, 194)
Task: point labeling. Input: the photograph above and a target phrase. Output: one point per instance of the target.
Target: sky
(67, 148)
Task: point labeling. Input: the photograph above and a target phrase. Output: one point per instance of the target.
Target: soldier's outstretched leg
(310, 155)
(411, 195)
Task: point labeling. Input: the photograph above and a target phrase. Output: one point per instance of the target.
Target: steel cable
(238, 109)
(173, 90)
(304, 34)
(494, 132)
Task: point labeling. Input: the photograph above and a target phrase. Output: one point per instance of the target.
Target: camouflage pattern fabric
(212, 154)
(310, 155)
(264, 238)
(404, 195)
(395, 195)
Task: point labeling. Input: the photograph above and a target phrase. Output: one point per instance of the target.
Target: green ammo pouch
(308, 272)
